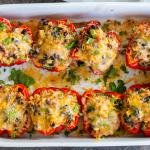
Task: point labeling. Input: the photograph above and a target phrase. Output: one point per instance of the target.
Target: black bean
(128, 119)
(52, 124)
(143, 44)
(47, 102)
(14, 56)
(146, 99)
(19, 100)
(17, 119)
(119, 104)
(33, 52)
(24, 31)
(44, 22)
(65, 33)
(135, 111)
(1, 49)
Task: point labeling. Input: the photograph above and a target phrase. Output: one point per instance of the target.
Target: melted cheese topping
(14, 45)
(53, 46)
(98, 52)
(13, 110)
(141, 45)
(101, 115)
(138, 103)
(51, 109)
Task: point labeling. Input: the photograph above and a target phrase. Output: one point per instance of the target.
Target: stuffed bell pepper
(138, 50)
(136, 115)
(55, 40)
(14, 115)
(96, 49)
(15, 43)
(54, 109)
(101, 112)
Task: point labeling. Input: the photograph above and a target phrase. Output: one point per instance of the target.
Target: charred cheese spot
(97, 48)
(141, 45)
(100, 115)
(137, 107)
(14, 116)
(14, 45)
(51, 109)
(54, 43)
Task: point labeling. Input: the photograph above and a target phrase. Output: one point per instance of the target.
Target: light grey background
(100, 148)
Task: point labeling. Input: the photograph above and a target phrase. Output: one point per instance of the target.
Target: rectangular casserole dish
(76, 12)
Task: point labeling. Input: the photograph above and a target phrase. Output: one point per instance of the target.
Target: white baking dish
(76, 12)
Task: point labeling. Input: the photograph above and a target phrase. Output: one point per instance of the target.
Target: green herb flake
(111, 73)
(89, 41)
(14, 135)
(124, 69)
(76, 109)
(2, 26)
(67, 133)
(98, 81)
(2, 82)
(121, 33)
(95, 52)
(80, 63)
(119, 87)
(112, 87)
(31, 132)
(93, 33)
(71, 45)
(105, 26)
(19, 77)
(72, 76)
(117, 22)
(7, 41)
(90, 108)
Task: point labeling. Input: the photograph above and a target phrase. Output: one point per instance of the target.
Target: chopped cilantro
(90, 108)
(31, 132)
(67, 133)
(111, 73)
(98, 81)
(71, 45)
(19, 77)
(113, 87)
(95, 52)
(2, 82)
(72, 76)
(14, 135)
(119, 87)
(124, 69)
(76, 108)
(121, 33)
(2, 26)
(93, 33)
(105, 26)
(7, 41)
(89, 41)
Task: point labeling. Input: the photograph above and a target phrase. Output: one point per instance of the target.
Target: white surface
(76, 12)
